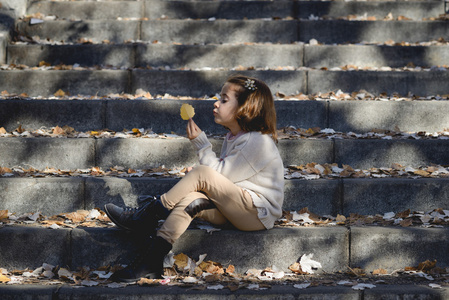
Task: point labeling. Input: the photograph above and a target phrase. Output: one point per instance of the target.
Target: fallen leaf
(230, 269)
(20, 129)
(190, 279)
(301, 286)
(89, 283)
(380, 272)
(427, 265)
(403, 214)
(3, 214)
(181, 261)
(60, 93)
(357, 271)
(340, 219)
(307, 264)
(296, 268)
(362, 286)
(406, 222)
(2, 130)
(4, 279)
(211, 267)
(215, 287)
(58, 131)
(78, 216)
(421, 173)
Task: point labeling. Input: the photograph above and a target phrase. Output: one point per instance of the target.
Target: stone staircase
(100, 52)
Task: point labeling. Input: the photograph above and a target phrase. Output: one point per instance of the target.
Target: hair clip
(250, 85)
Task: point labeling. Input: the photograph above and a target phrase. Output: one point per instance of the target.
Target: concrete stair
(188, 48)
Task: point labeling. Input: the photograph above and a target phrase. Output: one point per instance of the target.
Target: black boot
(148, 264)
(144, 218)
(199, 205)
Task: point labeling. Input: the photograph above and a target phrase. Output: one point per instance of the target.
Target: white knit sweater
(252, 162)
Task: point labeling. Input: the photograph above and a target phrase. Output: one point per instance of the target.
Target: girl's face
(225, 109)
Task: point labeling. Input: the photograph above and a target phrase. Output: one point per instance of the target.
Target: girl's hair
(256, 111)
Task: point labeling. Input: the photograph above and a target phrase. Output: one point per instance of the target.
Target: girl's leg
(232, 202)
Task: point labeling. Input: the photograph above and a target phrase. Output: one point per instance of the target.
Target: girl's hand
(193, 131)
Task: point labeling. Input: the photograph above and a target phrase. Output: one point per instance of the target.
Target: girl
(243, 186)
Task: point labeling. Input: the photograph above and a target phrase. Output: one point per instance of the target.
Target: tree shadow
(395, 248)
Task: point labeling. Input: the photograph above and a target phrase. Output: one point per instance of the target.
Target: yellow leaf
(4, 278)
(340, 219)
(296, 268)
(148, 282)
(429, 169)
(136, 130)
(421, 173)
(58, 130)
(230, 269)
(3, 214)
(396, 166)
(211, 267)
(187, 111)
(4, 170)
(60, 93)
(67, 129)
(380, 272)
(313, 130)
(44, 64)
(2, 130)
(198, 272)
(78, 216)
(181, 261)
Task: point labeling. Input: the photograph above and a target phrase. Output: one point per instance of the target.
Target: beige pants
(233, 203)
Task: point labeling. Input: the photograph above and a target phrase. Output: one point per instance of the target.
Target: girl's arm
(242, 162)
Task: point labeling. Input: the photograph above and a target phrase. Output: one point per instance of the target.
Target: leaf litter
(289, 132)
(183, 271)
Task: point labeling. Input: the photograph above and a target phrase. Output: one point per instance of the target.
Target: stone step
(155, 9)
(256, 31)
(202, 83)
(172, 292)
(336, 248)
(366, 196)
(227, 56)
(159, 55)
(332, 56)
(145, 153)
(89, 10)
(117, 115)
